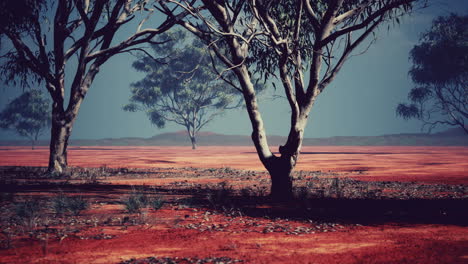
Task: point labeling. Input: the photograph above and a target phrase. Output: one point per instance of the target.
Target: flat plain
(353, 205)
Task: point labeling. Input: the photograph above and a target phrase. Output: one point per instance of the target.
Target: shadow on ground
(305, 206)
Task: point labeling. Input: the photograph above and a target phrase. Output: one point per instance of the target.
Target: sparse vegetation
(176, 260)
(138, 199)
(156, 203)
(323, 202)
(27, 209)
(73, 205)
(135, 202)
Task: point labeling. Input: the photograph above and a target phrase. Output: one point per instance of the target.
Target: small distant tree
(28, 115)
(180, 86)
(440, 72)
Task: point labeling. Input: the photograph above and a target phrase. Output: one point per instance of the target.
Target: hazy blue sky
(360, 102)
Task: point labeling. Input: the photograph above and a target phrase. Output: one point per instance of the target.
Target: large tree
(180, 86)
(440, 72)
(28, 115)
(51, 39)
(291, 39)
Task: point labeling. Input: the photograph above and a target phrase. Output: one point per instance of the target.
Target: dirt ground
(353, 205)
(387, 163)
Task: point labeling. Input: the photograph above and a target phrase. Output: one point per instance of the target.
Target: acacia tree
(440, 72)
(180, 86)
(51, 39)
(28, 115)
(289, 38)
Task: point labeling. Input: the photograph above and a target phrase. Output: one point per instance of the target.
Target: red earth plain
(413, 210)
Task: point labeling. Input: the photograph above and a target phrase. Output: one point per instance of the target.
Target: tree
(289, 38)
(440, 72)
(180, 86)
(28, 115)
(52, 39)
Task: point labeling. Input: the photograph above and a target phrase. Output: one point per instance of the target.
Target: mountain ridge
(450, 137)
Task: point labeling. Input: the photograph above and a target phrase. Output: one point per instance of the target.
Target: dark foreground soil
(223, 215)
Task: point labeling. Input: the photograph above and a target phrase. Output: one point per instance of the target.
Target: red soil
(371, 244)
(446, 165)
(165, 234)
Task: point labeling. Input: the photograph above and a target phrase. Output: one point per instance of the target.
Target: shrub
(76, 204)
(135, 202)
(138, 200)
(156, 203)
(59, 204)
(27, 209)
(28, 213)
(73, 205)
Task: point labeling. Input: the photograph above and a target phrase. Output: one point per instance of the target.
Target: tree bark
(280, 170)
(194, 142)
(60, 133)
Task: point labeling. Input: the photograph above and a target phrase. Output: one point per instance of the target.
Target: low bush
(28, 213)
(27, 209)
(156, 203)
(137, 200)
(74, 205)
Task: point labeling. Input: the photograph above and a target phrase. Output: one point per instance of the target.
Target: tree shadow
(339, 210)
(370, 210)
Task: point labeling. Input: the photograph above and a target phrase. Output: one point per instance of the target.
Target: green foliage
(441, 58)
(264, 58)
(440, 72)
(180, 85)
(19, 17)
(28, 115)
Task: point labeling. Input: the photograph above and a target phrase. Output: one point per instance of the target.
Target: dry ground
(353, 205)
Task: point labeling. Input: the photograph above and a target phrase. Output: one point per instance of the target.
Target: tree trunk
(34, 139)
(60, 132)
(281, 168)
(194, 142)
(281, 181)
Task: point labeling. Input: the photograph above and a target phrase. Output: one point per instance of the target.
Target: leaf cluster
(441, 58)
(179, 81)
(27, 114)
(288, 13)
(440, 72)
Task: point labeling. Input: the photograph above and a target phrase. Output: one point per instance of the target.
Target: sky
(361, 101)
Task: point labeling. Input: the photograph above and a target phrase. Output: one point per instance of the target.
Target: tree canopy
(440, 75)
(28, 115)
(180, 85)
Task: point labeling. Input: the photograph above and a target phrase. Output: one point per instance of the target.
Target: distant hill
(451, 137)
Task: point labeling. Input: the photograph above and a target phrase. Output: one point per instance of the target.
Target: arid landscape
(233, 131)
(210, 205)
